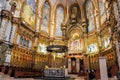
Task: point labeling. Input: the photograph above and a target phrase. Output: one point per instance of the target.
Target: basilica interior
(36, 35)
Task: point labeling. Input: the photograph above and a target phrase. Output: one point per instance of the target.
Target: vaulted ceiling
(67, 2)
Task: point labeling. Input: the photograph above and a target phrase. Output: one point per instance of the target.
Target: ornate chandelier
(57, 48)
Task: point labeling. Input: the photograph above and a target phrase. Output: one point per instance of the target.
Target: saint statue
(73, 16)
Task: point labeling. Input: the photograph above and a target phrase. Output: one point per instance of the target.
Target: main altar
(56, 72)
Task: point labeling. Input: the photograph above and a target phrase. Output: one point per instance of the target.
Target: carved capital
(84, 22)
(63, 26)
(6, 14)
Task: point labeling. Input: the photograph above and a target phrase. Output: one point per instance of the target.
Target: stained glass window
(42, 48)
(59, 20)
(29, 12)
(45, 17)
(101, 6)
(90, 15)
(92, 48)
(102, 11)
(106, 42)
(1, 4)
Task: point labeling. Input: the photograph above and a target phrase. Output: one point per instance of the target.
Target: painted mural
(29, 12)
(90, 16)
(45, 17)
(59, 20)
(102, 11)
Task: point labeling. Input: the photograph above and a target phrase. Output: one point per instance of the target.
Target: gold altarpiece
(73, 32)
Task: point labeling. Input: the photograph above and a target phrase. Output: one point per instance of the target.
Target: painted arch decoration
(90, 15)
(59, 20)
(29, 12)
(45, 17)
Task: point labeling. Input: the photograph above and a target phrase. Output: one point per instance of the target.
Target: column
(8, 57)
(118, 52)
(118, 35)
(8, 32)
(69, 65)
(86, 63)
(103, 68)
(77, 65)
(85, 35)
(13, 33)
(3, 27)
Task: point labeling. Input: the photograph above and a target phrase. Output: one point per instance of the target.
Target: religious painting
(29, 12)
(45, 17)
(90, 15)
(75, 43)
(59, 20)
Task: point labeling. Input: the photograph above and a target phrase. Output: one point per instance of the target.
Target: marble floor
(6, 77)
(73, 77)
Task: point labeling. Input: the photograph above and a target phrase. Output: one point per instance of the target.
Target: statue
(13, 7)
(73, 16)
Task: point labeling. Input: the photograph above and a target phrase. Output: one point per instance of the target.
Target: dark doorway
(73, 65)
(81, 64)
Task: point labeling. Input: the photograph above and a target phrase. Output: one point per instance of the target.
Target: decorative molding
(16, 20)
(28, 27)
